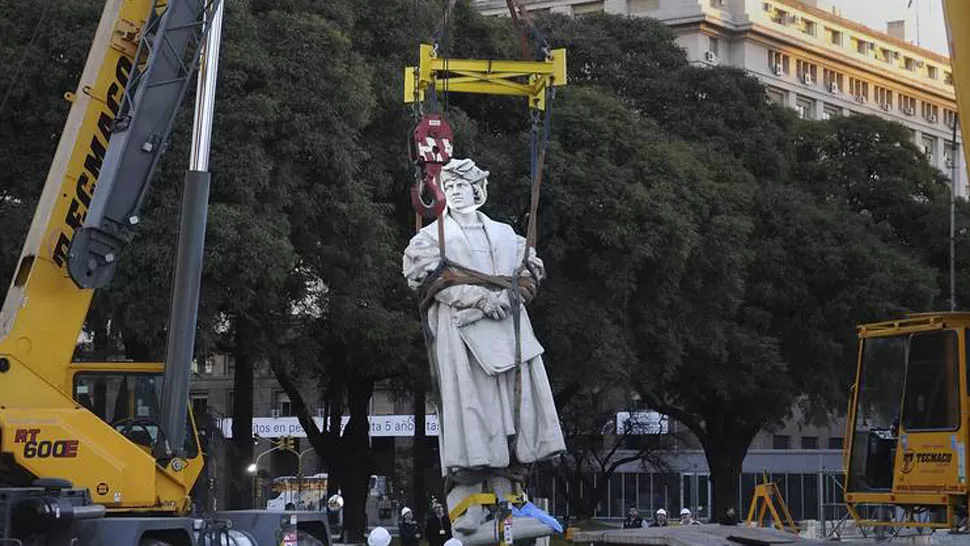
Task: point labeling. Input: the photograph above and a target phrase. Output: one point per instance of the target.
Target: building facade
(810, 59)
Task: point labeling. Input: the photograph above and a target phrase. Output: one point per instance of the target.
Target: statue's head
(464, 184)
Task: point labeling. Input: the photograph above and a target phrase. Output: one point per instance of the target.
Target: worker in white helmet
(409, 529)
(379, 537)
(452, 542)
(686, 518)
(661, 519)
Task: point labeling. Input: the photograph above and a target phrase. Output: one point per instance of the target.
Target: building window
(638, 6)
(200, 404)
(806, 71)
(859, 89)
(778, 63)
(909, 63)
(781, 441)
(929, 147)
(907, 105)
(588, 7)
(835, 442)
(948, 155)
(930, 112)
(781, 17)
(805, 107)
(282, 404)
(832, 80)
(834, 36)
(809, 442)
(712, 45)
(949, 117)
(808, 26)
(861, 46)
(948, 77)
(932, 72)
(830, 111)
(776, 96)
(717, 3)
(884, 97)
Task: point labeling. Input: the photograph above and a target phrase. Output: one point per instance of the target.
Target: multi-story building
(810, 58)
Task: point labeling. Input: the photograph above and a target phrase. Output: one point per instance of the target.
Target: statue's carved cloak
(475, 362)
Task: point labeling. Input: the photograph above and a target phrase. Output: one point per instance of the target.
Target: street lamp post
(299, 473)
(253, 469)
(284, 443)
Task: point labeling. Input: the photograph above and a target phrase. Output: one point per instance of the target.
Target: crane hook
(431, 149)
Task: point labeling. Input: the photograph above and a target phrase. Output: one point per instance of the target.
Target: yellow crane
(98, 454)
(908, 424)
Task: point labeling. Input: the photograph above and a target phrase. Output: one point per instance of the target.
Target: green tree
(872, 166)
(41, 56)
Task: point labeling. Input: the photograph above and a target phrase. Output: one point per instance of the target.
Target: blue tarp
(530, 510)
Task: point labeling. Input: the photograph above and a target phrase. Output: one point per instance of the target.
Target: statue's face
(459, 193)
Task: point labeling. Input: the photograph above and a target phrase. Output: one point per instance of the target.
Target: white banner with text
(380, 426)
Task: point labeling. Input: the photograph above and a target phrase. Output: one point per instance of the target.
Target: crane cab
(905, 458)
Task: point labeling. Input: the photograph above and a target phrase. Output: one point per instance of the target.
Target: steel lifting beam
(488, 77)
(165, 62)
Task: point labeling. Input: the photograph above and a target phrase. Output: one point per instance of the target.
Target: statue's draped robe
(476, 394)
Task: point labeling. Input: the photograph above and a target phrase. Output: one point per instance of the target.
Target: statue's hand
(496, 305)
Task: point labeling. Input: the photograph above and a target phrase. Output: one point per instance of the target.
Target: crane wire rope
(17, 76)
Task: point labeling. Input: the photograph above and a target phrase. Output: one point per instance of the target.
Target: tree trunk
(725, 452)
(318, 439)
(242, 423)
(355, 447)
(418, 452)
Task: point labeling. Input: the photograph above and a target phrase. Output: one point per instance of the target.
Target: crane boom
(143, 57)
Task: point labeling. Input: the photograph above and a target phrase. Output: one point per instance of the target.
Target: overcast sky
(875, 14)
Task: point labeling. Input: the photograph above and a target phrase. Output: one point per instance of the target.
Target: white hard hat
(335, 503)
(379, 537)
(684, 512)
(661, 512)
(452, 542)
(405, 510)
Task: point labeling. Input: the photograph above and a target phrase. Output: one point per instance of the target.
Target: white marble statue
(472, 344)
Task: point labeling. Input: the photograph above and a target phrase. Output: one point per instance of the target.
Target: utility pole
(909, 5)
(954, 161)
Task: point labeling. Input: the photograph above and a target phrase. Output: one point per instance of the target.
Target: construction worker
(661, 519)
(408, 528)
(686, 518)
(633, 519)
(438, 528)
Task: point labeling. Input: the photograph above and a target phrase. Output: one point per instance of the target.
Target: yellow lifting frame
(485, 77)
(769, 495)
(484, 499)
